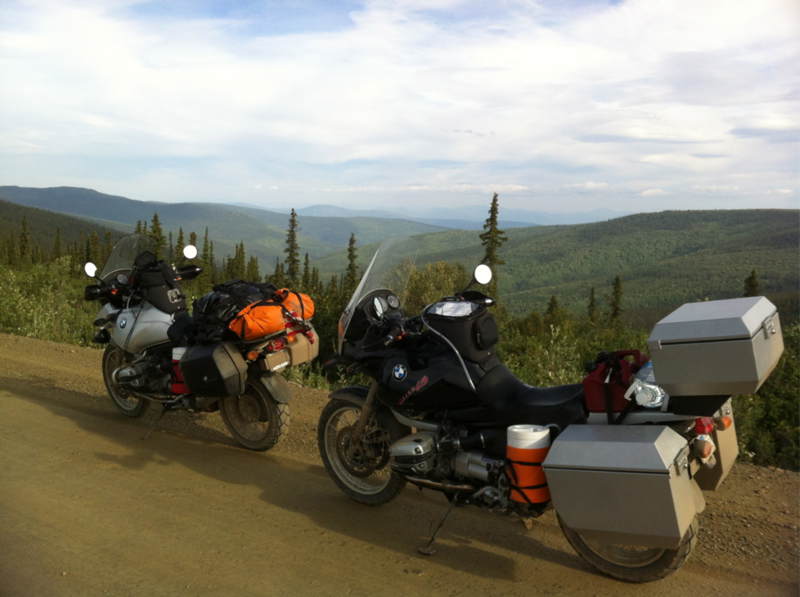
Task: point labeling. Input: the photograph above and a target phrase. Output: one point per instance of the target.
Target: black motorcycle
(443, 413)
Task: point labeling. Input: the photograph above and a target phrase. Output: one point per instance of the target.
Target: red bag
(609, 377)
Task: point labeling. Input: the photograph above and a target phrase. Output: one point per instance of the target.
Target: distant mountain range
(263, 232)
(664, 259)
(469, 217)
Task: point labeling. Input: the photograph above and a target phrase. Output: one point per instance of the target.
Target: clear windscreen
(390, 268)
(125, 252)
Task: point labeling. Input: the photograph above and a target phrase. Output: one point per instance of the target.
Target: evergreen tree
(350, 279)
(170, 249)
(192, 239)
(107, 247)
(751, 285)
(93, 248)
(138, 228)
(24, 243)
(179, 244)
(315, 287)
(213, 265)
(492, 239)
(56, 253)
(279, 277)
(204, 280)
(306, 283)
(615, 302)
(292, 251)
(552, 306)
(592, 306)
(252, 274)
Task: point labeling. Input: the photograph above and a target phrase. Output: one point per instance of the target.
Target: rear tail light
(703, 425)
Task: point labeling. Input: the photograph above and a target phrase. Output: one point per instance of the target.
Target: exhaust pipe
(441, 486)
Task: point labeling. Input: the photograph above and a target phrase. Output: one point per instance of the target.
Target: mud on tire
(255, 419)
(362, 471)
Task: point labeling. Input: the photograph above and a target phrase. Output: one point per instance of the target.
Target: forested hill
(664, 259)
(263, 232)
(42, 226)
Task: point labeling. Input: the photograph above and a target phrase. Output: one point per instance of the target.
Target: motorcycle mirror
(90, 269)
(190, 251)
(482, 274)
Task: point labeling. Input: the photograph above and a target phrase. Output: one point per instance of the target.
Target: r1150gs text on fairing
(153, 354)
(622, 457)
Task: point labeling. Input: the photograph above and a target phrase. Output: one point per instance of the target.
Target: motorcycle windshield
(390, 268)
(125, 252)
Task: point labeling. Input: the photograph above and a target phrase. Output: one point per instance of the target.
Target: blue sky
(637, 105)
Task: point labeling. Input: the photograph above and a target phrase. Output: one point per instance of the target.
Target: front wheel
(360, 469)
(629, 562)
(255, 419)
(128, 404)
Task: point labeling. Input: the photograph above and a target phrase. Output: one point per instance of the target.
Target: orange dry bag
(284, 310)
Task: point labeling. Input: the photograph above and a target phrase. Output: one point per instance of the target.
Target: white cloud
(411, 97)
(652, 192)
(589, 186)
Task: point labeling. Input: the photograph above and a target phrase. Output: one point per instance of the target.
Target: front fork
(366, 413)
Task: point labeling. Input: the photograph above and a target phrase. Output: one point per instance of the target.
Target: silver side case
(623, 484)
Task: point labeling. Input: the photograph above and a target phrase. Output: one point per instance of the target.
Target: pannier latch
(768, 326)
(682, 461)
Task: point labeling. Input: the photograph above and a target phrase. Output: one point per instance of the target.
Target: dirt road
(88, 508)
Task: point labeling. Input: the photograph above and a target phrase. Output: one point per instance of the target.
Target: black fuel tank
(430, 378)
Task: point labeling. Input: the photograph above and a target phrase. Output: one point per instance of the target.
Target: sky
(559, 106)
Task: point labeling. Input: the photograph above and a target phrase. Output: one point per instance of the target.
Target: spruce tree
(56, 253)
(252, 274)
(492, 239)
(179, 244)
(107, 247)
(292, 251)
(24, 243)
(751, 285)
(306, 283)
(138, 228)
(350, 280)
(615, 302)
(213, 265)
(278, 276)
(170, 249)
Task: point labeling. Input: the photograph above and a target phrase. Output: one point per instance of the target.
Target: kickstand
(428, 550)
(158, 418)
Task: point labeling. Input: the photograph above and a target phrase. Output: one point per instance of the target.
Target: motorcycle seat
(514, 402)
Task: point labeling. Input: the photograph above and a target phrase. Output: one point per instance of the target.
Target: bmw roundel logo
(122, 323)
(399, 372)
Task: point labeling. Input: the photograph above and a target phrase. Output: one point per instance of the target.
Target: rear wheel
(128, 404)
(255, 419)
(632, 563)
(360, 469)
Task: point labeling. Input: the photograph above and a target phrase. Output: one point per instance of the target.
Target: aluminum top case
(716, 348)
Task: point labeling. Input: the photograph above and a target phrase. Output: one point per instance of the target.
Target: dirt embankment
(88, 508)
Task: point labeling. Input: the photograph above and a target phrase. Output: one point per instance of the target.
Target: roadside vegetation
(41, 296)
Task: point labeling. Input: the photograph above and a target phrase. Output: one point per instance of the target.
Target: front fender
(277, 387)
(355, 394)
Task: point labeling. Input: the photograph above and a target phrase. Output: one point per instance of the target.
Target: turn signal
(723, 423)
(252, 355)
